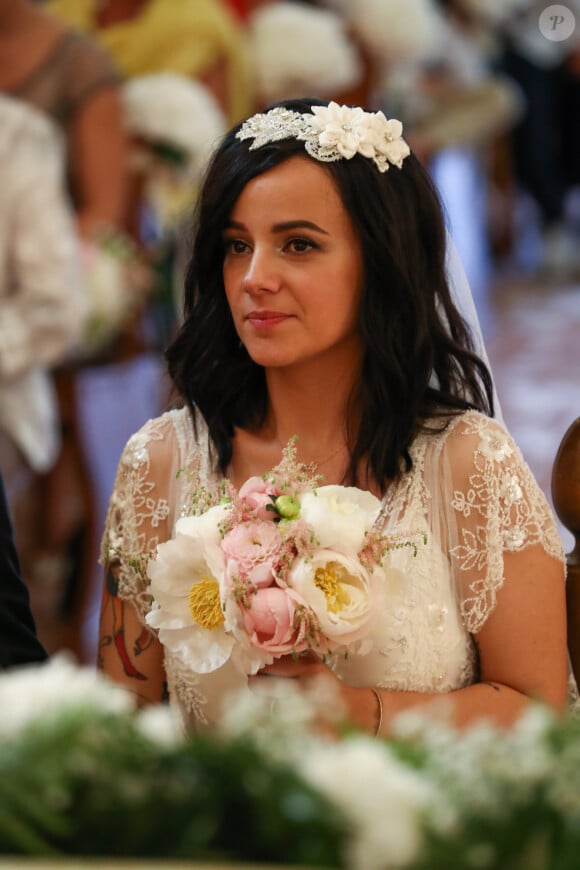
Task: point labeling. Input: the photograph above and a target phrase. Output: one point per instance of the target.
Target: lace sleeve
(143, 505)
(494, 506)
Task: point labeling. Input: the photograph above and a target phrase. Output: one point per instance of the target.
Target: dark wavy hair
(418, 359)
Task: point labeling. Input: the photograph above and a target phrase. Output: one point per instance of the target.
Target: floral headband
(331, 133)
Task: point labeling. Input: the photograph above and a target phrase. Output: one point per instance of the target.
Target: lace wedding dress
(469, 490)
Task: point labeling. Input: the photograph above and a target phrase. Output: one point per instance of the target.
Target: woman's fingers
(306, 664)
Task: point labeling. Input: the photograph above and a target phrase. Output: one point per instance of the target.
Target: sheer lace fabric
(469, 491)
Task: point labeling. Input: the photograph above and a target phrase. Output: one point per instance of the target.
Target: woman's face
(293, 267)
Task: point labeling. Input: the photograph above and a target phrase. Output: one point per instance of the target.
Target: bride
(317, 305)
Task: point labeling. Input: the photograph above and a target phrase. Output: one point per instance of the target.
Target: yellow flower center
(204, 603)
(328, 579)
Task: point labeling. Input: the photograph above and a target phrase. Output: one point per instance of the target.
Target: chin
(271, 360)
(270, 354)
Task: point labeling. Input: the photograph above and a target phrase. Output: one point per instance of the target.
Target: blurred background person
(545, 144)
(202, 40)
(65, 75)
(43, 307)
(460, 110)
(62, 74)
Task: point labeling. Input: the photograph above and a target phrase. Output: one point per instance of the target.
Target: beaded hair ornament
(331, 133)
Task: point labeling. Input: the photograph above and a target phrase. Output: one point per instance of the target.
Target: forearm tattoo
(117, 636)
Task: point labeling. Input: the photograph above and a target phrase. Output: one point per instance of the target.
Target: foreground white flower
(36, 692)
(385, 801)
(161, 724)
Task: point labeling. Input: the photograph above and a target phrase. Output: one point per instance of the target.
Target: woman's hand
(360, 704)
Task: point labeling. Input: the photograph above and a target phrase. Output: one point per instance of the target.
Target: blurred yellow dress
(182, 37)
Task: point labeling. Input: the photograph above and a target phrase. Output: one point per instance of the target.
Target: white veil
(463, 298)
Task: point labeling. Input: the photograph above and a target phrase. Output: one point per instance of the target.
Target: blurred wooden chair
(566, 498)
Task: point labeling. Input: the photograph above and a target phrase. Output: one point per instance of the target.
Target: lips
(262, 319)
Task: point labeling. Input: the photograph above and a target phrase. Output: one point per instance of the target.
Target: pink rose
(252, 552)
(255, 496)
(259, 575)
(270, 624)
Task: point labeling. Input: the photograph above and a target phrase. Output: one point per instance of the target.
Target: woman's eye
(235, 246)
(300, 246)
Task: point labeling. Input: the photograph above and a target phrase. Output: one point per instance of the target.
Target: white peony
(340, 516)
(186, 577)
(340, 591)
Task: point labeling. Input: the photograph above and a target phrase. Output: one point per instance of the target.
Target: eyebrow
(283, 227)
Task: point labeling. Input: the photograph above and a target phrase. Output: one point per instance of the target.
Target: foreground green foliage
(82, 773)
(85, 784)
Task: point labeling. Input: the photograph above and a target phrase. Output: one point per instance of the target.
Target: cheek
(342, 302)
(231, 285)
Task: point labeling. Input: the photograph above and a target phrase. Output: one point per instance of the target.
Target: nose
(262, 274)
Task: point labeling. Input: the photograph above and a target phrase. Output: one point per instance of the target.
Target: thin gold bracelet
(377, 695)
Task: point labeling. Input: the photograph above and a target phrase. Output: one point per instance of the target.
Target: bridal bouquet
(281, 566)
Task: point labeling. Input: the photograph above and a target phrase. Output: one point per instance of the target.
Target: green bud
(287, 507)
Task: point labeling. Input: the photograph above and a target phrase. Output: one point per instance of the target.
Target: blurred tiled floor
(535, 356)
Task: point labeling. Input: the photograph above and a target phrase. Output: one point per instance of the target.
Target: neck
(312, 406)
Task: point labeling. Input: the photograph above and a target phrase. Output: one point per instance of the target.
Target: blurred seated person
(64, 74)
(201, 39)
(43, 304)
(19, 644)
(67, 76)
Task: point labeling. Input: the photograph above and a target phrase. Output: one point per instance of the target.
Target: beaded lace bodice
(469, 490)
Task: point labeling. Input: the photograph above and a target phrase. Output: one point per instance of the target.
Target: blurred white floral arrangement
(176, 111)
(118, 281)
(393, 31)
(82, 772)
(298, 50)
(175, 123)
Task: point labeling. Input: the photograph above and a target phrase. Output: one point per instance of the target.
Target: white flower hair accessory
(332, 133)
